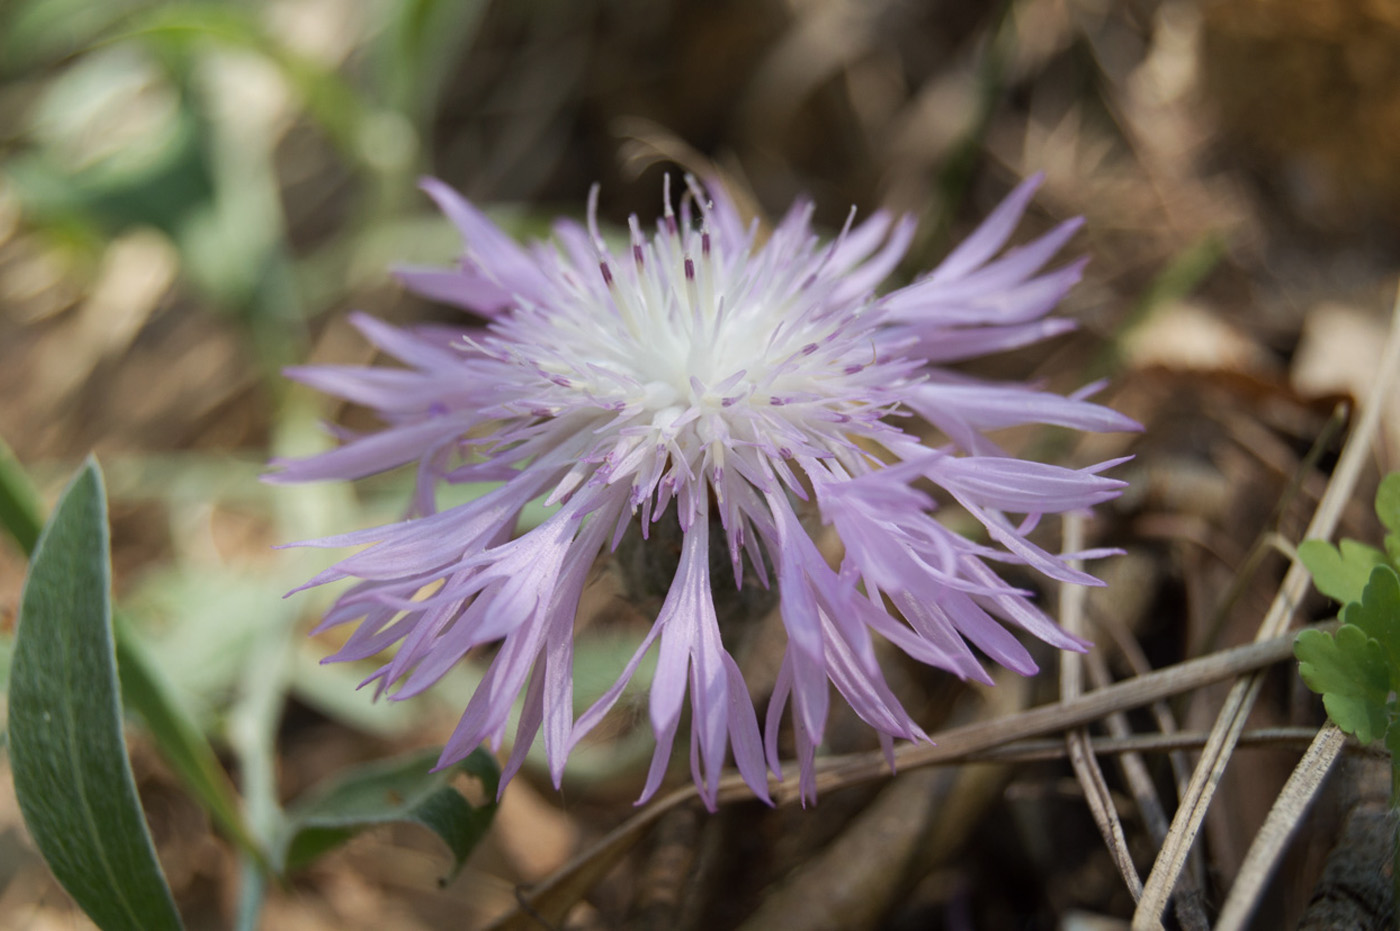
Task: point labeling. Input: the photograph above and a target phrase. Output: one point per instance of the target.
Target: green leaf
(1388, 510)
(419, 48)
(1349, 671)
(71, 772)
(1388, 502)
(399, 790)
(333, 690)
(19, 502)
(180, 740)
(1377, 614)
(1340, 574)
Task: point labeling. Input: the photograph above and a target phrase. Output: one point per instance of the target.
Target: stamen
(636, 229)
(697, 310)
(670, 215)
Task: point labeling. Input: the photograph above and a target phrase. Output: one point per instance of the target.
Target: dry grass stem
(1035, 751)
(1077, 741)
(1271, 841)
(1190, 908)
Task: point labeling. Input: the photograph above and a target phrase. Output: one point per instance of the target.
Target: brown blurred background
(194, 195)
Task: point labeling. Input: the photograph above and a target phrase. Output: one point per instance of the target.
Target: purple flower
(732, 387)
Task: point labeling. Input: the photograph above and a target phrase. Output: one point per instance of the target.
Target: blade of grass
(180, 741)
(1177, 281)
(21, 514)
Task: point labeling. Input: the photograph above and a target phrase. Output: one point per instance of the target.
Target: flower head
(738, 389)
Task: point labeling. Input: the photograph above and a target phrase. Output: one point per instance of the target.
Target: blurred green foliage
(168, 116)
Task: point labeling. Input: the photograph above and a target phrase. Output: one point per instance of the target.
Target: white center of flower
(696, 350)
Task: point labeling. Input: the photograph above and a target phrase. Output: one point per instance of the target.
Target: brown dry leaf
(1188, 335)
(1339, 352)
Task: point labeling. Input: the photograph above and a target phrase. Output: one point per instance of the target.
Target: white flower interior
(698, 353)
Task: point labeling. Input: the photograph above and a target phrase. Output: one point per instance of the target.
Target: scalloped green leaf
(1349, 671)
(1388, 502)
(404, 789)
(1340, 573)
(1377, 614)
(1388, 510)
(69, 761)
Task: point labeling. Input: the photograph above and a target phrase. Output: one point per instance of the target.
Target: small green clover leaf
(1340, 573)
(1349, 671)
(1377, 614)
(1388, 502)
(1357, 670)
